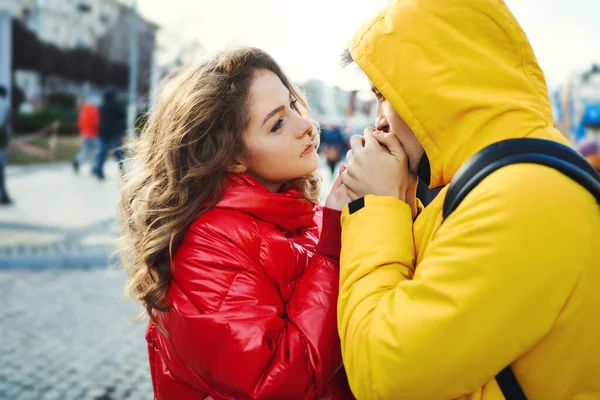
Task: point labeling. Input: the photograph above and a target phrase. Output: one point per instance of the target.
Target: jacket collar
(286, 210)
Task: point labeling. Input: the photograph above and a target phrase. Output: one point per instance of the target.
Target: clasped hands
(376, 164)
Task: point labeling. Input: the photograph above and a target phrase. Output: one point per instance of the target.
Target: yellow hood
(461, 73)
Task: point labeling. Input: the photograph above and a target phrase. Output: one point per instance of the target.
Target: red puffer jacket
(252, 303)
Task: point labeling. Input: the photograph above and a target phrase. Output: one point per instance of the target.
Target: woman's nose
(304, 127)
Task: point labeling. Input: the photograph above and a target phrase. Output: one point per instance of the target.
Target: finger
(342, 169)
(369, 129)
(353, 196)
(350, 156)
(350, 170)
(350, 183)
(370, 140)
(337, 183)
(357, 142)
(413, 179)
(391, 142)
(347, 178)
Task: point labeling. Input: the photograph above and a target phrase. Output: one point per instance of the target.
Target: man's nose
(381, 124)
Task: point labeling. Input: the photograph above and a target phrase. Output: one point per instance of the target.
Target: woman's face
(278, 145)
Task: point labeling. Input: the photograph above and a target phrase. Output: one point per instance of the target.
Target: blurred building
(99, 25)
(69, 23)
(115, 45)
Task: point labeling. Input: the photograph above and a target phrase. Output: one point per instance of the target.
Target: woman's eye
(277, 125)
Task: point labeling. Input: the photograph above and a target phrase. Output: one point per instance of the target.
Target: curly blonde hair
(194, 133)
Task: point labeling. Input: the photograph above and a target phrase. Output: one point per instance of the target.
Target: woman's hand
(339, 195)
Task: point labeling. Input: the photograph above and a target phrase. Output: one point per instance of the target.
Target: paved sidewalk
(59, 219)
(62, 219)
(67, 330)
(69, 335)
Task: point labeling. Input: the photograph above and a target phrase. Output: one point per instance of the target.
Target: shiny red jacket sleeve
(243, 324)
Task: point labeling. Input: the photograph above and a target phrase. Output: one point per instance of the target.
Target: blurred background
(66, 326)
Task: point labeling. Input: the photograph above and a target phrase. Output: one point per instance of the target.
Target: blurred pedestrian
(227, 249)
(5, 117)
(333, 146)
(111, 131)
(87, 122)
(590, 149)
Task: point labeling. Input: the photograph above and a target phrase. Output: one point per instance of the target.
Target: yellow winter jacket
(431, 311)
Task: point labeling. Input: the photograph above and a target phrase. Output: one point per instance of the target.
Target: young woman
(222, 245)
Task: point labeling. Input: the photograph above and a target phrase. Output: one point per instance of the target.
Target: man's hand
(377, 165)
(339, 195)
(411, 194)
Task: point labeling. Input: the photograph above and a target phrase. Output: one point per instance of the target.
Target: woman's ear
(237, 168)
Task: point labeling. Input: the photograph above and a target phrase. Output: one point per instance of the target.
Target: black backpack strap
(509, 385)
(516, 151)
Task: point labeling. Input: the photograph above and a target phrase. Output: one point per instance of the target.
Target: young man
(432, 311)
(111, 131)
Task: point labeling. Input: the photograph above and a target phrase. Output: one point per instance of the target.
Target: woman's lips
(309, 149)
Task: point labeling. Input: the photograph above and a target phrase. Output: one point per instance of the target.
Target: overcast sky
(306, 36)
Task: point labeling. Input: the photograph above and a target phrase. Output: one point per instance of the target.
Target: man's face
(388, 120)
